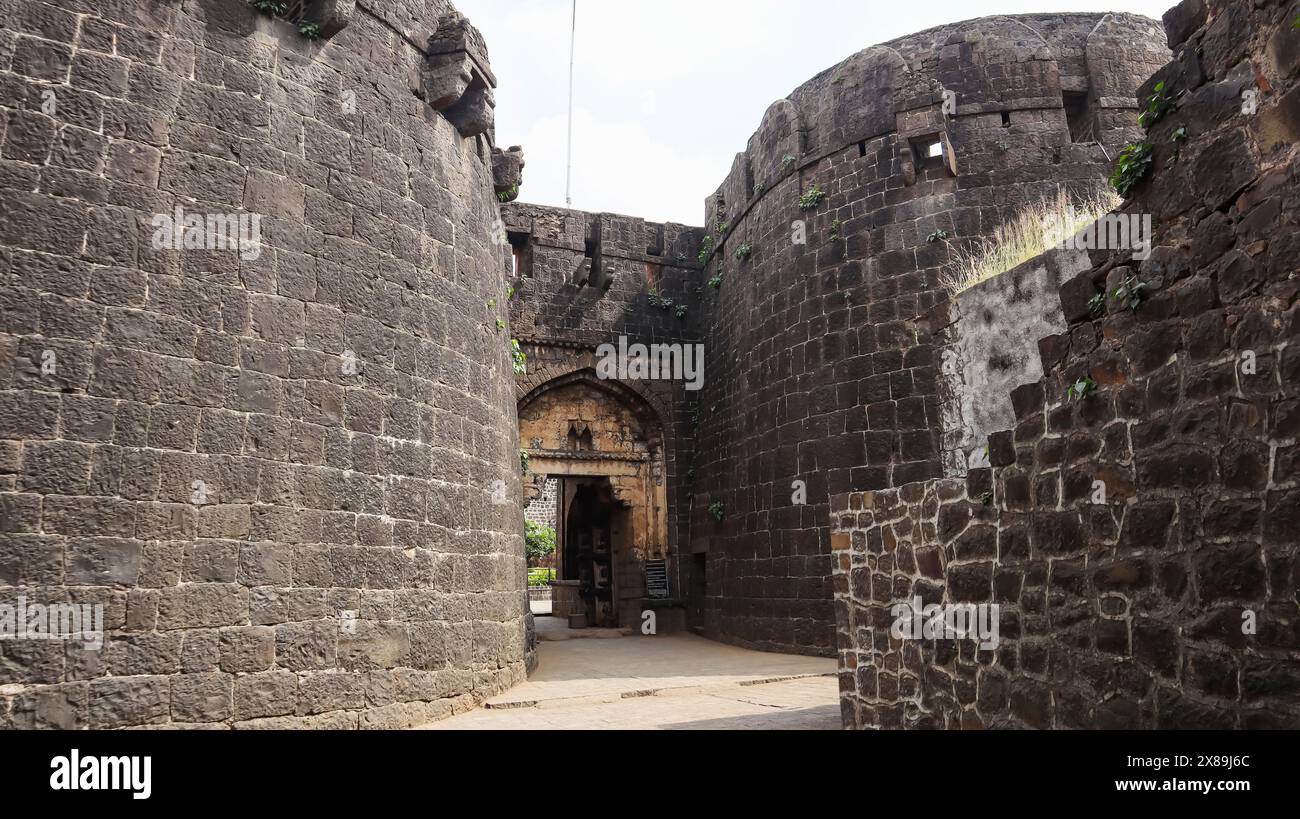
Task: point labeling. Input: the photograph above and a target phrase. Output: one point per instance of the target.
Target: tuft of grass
(1032, 232)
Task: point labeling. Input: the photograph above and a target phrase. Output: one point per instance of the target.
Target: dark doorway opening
(591, 528)
(1077, 115)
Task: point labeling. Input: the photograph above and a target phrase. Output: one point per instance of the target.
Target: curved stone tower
(252, 374)
(829, 237)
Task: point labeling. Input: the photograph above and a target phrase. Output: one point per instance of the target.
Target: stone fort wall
(274, 471)
(1140, 537)
(828, 238)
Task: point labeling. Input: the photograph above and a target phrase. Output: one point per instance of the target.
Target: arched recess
(549, 365)
(604, 443)
(1115, 58)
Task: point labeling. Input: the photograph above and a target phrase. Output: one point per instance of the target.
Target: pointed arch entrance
(604, 444)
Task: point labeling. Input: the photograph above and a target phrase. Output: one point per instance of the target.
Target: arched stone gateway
(604, 444)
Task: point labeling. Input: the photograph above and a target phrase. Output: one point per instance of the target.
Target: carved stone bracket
(457, 79)
(508, 172)
(331, 15)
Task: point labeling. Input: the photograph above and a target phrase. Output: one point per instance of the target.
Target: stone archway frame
(581, 365)
(637, 479)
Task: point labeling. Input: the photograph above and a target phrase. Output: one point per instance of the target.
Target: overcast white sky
(667, 92)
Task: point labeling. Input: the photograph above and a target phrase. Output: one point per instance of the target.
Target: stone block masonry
(1139, 525)
(541, 510)
(274, 470)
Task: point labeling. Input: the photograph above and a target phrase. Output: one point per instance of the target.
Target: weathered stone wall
(815, 372)
(275, 469)
(541, 510)
(1142, 540)
(987, 342)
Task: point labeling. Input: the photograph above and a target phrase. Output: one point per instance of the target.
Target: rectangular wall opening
(929, 152)
(521, 255)
(1077, 115)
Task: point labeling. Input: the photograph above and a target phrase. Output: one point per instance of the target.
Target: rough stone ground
(678, 682)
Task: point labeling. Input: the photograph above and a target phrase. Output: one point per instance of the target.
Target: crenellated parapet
(1057, 80)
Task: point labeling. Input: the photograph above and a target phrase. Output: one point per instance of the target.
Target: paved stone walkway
(678, 682)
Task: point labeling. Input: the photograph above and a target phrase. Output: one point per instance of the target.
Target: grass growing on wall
(1033, 231)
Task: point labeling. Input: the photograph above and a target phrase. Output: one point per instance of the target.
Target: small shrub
(539, 544)
(1097, 305)
(270, 6)
(540, 578)
(706, 249)
(744, 251)
(716, 282)
(811, 199)
(836, 226)
(506, 196)
(681, 311)
(718, 511)
(1130, 293)
(986, 499)
(659, 301)
(519, 358)
(523, 461)
(787, 162)
(1081, 389)
(937, 236)
(1157, 106)
(1132, 167)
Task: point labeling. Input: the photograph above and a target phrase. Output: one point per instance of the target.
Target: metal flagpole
(568, 174)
